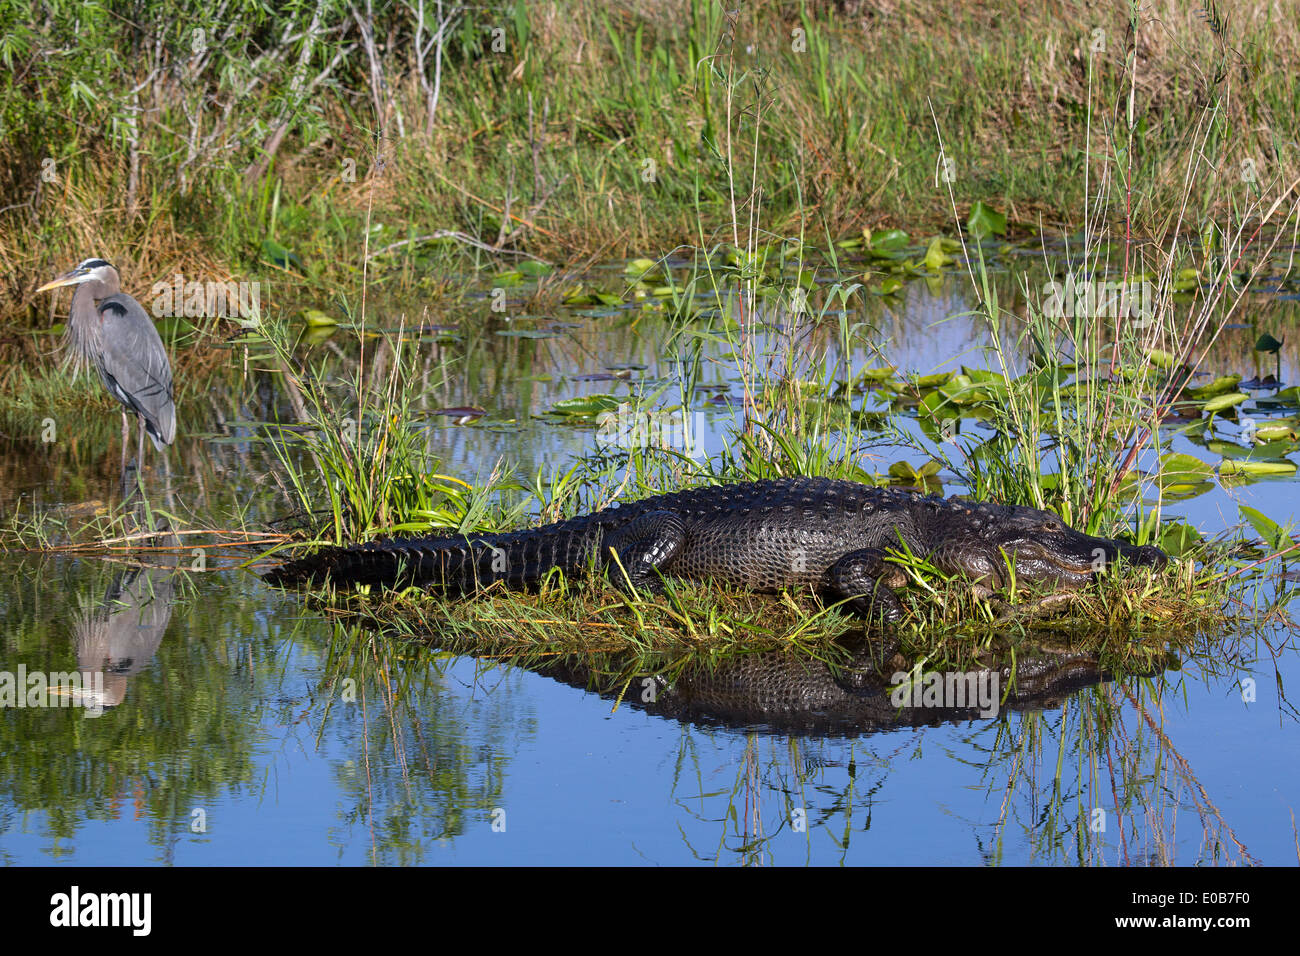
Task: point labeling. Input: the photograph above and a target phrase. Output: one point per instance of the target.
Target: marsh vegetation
(498, 265)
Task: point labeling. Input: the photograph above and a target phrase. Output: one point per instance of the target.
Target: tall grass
(1072, 433)
(576, 129)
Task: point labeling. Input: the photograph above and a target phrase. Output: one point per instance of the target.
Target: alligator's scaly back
(763, 535)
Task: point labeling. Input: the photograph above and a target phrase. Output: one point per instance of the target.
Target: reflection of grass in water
(1044, 772)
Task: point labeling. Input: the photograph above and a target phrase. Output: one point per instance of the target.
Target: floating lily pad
(930, 381)
(586, 406)
(641, 268)
(1176, 468)
(1219, 386)
(1223, 402)
(937, 405)
(1182, 490)
(593, 298)
(887, 240)
(963, 391)
(1284, 432)
(1232, 466)
(877, 374)
(1229, 449)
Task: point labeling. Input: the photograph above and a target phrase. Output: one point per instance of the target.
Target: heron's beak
(68, 278)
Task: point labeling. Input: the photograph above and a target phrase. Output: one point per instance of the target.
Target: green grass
(946, 625)
(599, 132)
(773, 141)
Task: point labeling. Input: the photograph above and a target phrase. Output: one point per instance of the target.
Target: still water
(238, 725)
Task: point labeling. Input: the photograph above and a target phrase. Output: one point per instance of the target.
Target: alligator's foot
(633, 554)
(859, 577)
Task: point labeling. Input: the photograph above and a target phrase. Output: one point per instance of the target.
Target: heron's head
(92, 270)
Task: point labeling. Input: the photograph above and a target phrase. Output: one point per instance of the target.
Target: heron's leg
(126, 437)
(139, 454)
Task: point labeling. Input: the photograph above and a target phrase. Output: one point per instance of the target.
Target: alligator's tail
(458, 563)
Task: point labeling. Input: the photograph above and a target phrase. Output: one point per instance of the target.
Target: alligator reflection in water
(862, 694)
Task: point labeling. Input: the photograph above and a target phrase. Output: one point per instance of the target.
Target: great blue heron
(110, 330)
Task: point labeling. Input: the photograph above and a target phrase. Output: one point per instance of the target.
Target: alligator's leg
(861, 577)
(632, 554)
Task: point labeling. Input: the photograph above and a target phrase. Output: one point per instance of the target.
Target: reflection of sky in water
(242, 667)
(581, 784)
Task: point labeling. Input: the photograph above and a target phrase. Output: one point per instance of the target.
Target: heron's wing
(134, 365)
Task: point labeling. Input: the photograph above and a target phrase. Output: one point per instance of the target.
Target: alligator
(817, 533)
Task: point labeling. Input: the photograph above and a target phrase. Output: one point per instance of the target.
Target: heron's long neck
(81, 336)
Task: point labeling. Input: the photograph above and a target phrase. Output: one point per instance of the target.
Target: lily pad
(1176, 468)
(1223, 402)
(930, 381)
(1219, 386)
(318, 319)
(985, 221)
(1231, 466)
(586, 406)
(641, 268)
(936, 255)
(886, 242)
(904, 471)
(877, 374)
(1178, 538)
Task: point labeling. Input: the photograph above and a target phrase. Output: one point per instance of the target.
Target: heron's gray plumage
(133, 365)
(110, 331)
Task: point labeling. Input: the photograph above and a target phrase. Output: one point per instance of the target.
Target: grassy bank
(187, 138)
(324, 152)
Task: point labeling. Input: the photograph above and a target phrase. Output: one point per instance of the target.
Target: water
(241, 726)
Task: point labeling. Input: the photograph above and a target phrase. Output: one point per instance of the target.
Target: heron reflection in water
(119, 637)
(111, 331)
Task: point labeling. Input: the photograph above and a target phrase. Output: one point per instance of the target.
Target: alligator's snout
(1074, 557)
(1147, 556)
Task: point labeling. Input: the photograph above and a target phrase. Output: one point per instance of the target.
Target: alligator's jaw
(1073, 560)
